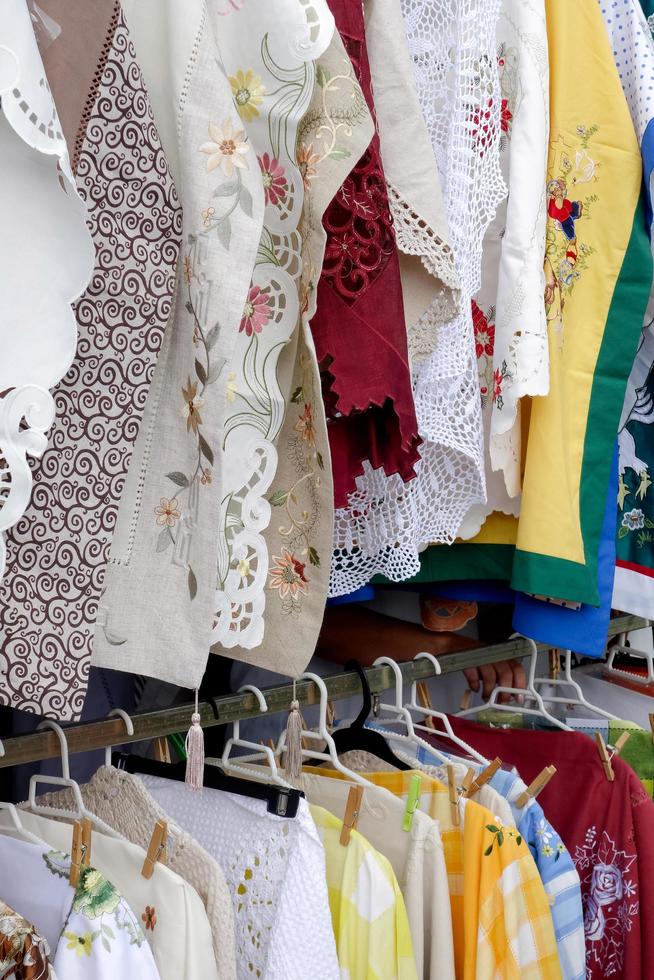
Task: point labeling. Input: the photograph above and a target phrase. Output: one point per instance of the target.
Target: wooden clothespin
(466, 782)
(161, 749)
(76, 854)
(156, 848)
(271, 745)
(651, 725)
(605, 757)
(484, 776)
(538, 784)
(465, 700)
(412, 803)
(87, 828)
(424, 698)
(454, 797)
(620, 743)
(352, 809)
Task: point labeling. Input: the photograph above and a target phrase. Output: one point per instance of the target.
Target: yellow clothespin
(605, 757)
(484, 776)
(156, 848)
(351, 818)
(412, 802)
(76, 854)
(454, 797)
(538, 784)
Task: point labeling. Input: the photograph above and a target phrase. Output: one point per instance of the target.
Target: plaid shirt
(501, 917)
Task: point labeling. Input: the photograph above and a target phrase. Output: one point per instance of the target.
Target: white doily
(45, 262)
(452, 43)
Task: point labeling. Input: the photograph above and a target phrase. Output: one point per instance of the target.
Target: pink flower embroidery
(304, 425)
(256, 312)
(506, 116)
(288, 576)
(498, 378)
(484, 332)
(275, 185)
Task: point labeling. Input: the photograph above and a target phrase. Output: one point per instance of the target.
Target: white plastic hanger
(568, 681)
(270, 775)
(530, 693)
(129, 728)
(322, 735)
(17, 825)
(448, 732)
(624, 673)
(65, 780)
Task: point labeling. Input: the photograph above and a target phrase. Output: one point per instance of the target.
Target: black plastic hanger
(281, 801)
(356, 737)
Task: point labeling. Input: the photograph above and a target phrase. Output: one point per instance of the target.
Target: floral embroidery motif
(226, 148)
(288, 576)
(500, 834)
(226, 153)
(500, 375)
(508, 68)
(149, 917)
(483, 326)
(248, 91)
(609, 905)
(81, 944)
(257, 311)
(544, 836)
(566, 257)
(275, 184)
(304, 425)
(306, 164)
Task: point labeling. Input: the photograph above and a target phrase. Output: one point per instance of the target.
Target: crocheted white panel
(453, 46)
(275, 868)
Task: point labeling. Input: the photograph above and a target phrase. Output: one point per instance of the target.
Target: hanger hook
(395, 667)
(432, 660)
(129, 728)
(59, 732)
(324, 696)
(366, 706)
(257, 693)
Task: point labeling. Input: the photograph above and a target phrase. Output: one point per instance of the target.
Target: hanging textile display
(387, 521)
(359, 311)
(634, 582)
(598, 275)
(276, 556)
(167, 533)
(133, 214)
(508, 314)
(46, 262)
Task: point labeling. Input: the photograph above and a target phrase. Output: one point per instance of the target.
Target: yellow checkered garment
(501, 917)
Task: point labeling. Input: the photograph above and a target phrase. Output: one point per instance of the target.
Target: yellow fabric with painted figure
(594, 183)
(373, 939)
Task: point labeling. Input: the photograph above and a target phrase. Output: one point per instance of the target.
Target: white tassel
(293, 751)
(195, 750)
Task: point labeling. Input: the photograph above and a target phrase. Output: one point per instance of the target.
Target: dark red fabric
(608, 829)
(359, 328)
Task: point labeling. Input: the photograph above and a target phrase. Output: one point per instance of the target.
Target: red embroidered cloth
(608, 828)
(359, 327)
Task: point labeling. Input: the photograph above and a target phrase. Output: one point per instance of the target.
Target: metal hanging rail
(82, 737)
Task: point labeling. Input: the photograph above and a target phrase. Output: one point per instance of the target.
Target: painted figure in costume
(561, 209)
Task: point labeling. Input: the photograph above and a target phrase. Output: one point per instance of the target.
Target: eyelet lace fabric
(360, 311)
(275, 868)
(452, 43)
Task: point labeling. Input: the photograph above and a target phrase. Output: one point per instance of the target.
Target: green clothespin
(412, 802)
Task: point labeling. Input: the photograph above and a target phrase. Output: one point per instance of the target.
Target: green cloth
(638, 752)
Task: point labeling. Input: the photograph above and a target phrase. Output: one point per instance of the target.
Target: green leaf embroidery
(200, 371)
(212, 336)
(164, 540)
(178, 478)
(623, 532)
(189, 306)
(322, 75)
(518, 840)
(224, 232)
(246, 201)
(314, 557)
(205, 448)
(493, 829)
(320, 461)
(228, 189)
(105, 943)
(338, 153)
(297, 395)
(108, 931)
(278, 498)
(488, 850)
(648, 523)
(500, 838)
(192, 584)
